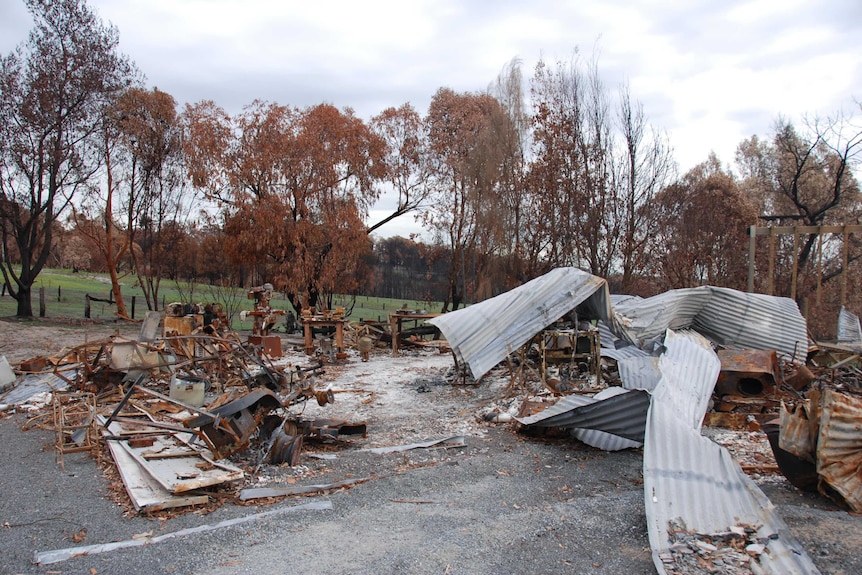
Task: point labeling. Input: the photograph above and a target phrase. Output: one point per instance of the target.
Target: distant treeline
(404, 269)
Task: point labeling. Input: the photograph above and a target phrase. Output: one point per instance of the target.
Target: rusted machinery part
(285, 448)
(324, 396)
(800, 473)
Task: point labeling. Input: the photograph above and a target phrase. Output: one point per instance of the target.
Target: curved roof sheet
(483, 334)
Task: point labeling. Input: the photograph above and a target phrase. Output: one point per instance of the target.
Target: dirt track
(24, 339)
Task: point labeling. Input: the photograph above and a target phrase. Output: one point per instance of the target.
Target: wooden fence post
(87, 305)
(133, 307)
(42, 301)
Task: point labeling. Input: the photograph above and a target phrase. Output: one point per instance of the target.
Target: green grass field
(65, 298)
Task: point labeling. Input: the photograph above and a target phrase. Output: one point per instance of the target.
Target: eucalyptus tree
(467, 213)
(295, 186)
(54, 88)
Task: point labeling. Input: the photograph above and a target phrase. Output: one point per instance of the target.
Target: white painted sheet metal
(725, 316)
(849, 329)
(483, 334)
(689, 479)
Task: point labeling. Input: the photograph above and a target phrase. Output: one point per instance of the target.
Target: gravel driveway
(503, 503)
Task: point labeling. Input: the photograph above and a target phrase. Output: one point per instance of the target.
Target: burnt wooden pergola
(774, 231)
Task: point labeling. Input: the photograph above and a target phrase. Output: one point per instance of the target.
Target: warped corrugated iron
(35, 383)
(693, 481)
(483, 334)
(613, 346)
(607, 338)
(601, 439)
(639, 372)
(617, 298)
(726, 316)
(618, 412)
(839, 446)
(628, 352)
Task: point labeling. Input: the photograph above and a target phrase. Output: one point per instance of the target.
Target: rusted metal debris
(570, 359)
(811, 414)
(820, 444)
(839, 447)
(172, 406)
(287, 440)
(755, 382)
(264, 316)
(74, 417)
(229, 427)
(747, 372)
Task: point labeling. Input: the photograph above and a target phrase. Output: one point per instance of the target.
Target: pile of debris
(661, 367)
(719, 553)
(817, 442)
(615, 372)
(172, 407)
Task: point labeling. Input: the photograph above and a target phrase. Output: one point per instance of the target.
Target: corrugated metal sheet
(604, 441)
(607, 338)
(623, 353)
(725, 316)
(839, 446)
(617, 298)
(848, 326)
(616, 411)
(646, 320)
(483, 334)
(601, 439)
(639, 372)
(31, 384)
(631, 351)
(615, 348)
(689, 479)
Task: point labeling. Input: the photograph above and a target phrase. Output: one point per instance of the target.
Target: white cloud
(760, 10)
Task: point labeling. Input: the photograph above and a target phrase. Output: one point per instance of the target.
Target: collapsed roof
(692, 483)
(724, 316)
(483, 334)
(688, 479)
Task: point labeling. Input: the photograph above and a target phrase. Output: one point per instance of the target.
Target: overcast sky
(709, 73)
